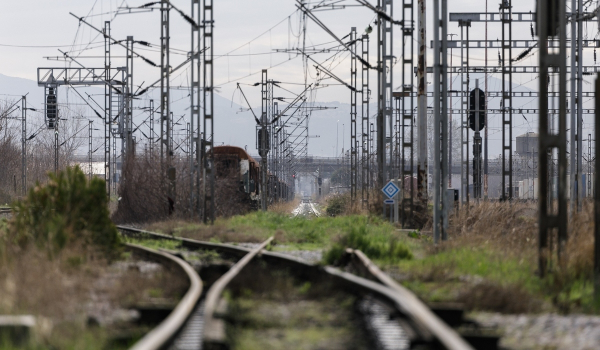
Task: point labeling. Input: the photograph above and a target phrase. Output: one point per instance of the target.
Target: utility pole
(579, 153)
(477, 144)
(597, 199)
(114, 165)
(464, 133)
(440, 110)
(262, 138)
(90, 150)
(195, 98)
(365, 159)
(353, 96)
(422, 166)
(128, 96)
(385, 64)
(485, 145)
(573, 122)
(208, 166)
(407, 116)
(450, 122)
(24, 145)
(552, 22)
(151, 146)
(166, 143)
(507, 163)
(56, 145)
(107, 108)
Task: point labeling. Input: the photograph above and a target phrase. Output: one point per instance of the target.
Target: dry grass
(49, 288)
(511, 228)
(76, 285)
(490, 262)
(284, 208)
(219, 231)
(495, 297)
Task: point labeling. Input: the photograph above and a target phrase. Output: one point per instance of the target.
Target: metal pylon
(365, 149)
(107, 108)
(208, 127)
(151, 145)
(128, 96)
(464, 133)
(353, 142)
(507, 163)
(90, 169)
(407, 170)
(576, 147)
(24, 145)
(385, 88)
(166, 142)
(195, 98)
(551, 221)
(262, 140)
(440, 107)
(422, 125)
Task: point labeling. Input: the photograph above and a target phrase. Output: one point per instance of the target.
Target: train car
(235, 161)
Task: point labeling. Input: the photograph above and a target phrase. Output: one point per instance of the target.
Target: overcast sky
(246, 34)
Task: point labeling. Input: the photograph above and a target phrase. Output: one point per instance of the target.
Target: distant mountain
(235, 125)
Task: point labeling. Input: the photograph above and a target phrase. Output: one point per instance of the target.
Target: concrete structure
(528, 144)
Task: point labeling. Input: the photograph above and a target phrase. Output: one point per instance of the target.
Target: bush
(378, 247)
(68, 210)
(337, 205)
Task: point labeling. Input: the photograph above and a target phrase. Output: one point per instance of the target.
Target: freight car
(232, 161)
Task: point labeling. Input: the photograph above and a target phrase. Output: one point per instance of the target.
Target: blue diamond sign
(390, 190)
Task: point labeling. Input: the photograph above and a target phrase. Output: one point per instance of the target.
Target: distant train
(234, 161)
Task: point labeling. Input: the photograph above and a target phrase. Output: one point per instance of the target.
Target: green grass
(454, 274)
(155, 243)
(381, 246)
(298, 233)
(315, 233)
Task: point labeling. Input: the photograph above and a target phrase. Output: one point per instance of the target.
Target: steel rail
(414, 307)
(164, 333)
(214, 293)
(411, 308)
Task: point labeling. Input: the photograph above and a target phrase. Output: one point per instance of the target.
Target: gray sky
(246, 33)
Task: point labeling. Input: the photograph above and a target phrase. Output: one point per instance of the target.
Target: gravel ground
(545, 331)
(101, 307)
(310, 256)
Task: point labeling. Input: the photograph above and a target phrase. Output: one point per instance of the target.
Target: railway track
(394, 317)
(5, 210)
(306, 209)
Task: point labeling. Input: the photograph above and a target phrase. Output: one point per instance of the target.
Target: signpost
(390, 190)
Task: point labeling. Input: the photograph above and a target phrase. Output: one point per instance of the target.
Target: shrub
(68, 210)
(337, 205)
(379, 247)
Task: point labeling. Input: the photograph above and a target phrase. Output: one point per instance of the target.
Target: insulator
(532, 33)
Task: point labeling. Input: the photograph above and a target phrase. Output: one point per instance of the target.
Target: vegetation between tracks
(489, 263)
(271, 309)
(378, 237)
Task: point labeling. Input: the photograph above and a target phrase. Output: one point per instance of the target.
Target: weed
(379, 247)
(414, 234)
(337, 205)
